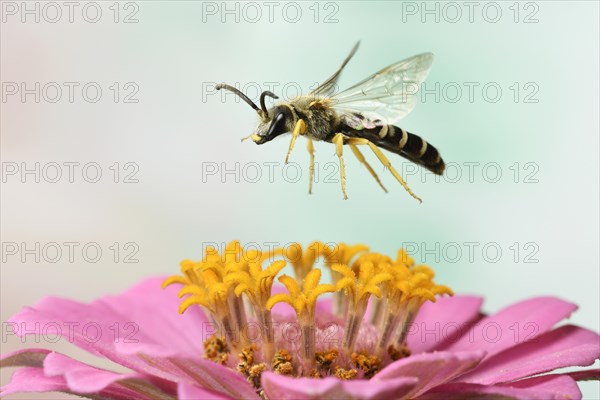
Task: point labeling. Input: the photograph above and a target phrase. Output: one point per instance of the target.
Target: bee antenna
(262, 99)
(239, 93)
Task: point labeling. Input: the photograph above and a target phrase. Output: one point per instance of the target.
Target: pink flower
(455, 351)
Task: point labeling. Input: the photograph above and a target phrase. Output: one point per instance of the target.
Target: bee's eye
(277, 127)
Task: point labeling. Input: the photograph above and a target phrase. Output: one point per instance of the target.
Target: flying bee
(359, 116)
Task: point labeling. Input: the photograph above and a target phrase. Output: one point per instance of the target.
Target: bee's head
(273, 122)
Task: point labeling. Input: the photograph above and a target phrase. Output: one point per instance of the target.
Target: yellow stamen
(282, 363)
(369, 364)
(409, 289)
(229, 283)
(345, 374)
(303, 261)
(359, 290)
(246, 359)
(326, 358)
(341, 254)
(256, 283)
(398, 353)
(255, 373)
(304, 303)
(403, 258)
(215, 349)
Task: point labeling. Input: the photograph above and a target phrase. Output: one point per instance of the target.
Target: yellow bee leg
(311, 168)
(384, 160)
(364, 162)
(338, 140)
(299, 129)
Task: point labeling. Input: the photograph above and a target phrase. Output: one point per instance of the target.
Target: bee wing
(328, 87)
(384, 97)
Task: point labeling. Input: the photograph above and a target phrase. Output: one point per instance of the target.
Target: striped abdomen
(401, 142)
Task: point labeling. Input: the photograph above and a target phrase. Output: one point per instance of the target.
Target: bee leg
(384, 160)
(338, 140)
(299, 129)
(364, 162)
(311, 168)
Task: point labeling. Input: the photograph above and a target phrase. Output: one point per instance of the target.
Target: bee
(362, 115)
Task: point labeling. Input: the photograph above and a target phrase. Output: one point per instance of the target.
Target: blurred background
(119, 158)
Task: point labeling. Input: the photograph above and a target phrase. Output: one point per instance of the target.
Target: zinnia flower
(387, 331)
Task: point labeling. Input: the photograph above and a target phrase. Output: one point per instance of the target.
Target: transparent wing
(384, 97)
(328, 87)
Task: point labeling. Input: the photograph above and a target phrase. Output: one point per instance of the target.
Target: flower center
(235, 289)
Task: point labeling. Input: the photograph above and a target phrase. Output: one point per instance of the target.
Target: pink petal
(83, 378)
(563, 347)
(24, 358)
(217, 378)
(142, 319)
(513, 325)
(166, 345)
(284, 387)
(154, 312)
(441, 322)
(549, 387)
(190, 392)
(432, 369)
(77, 377)
(33, 380)
(562, 385)
(395, 388)
(201, 372)
(324, 305)
(585, 375)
